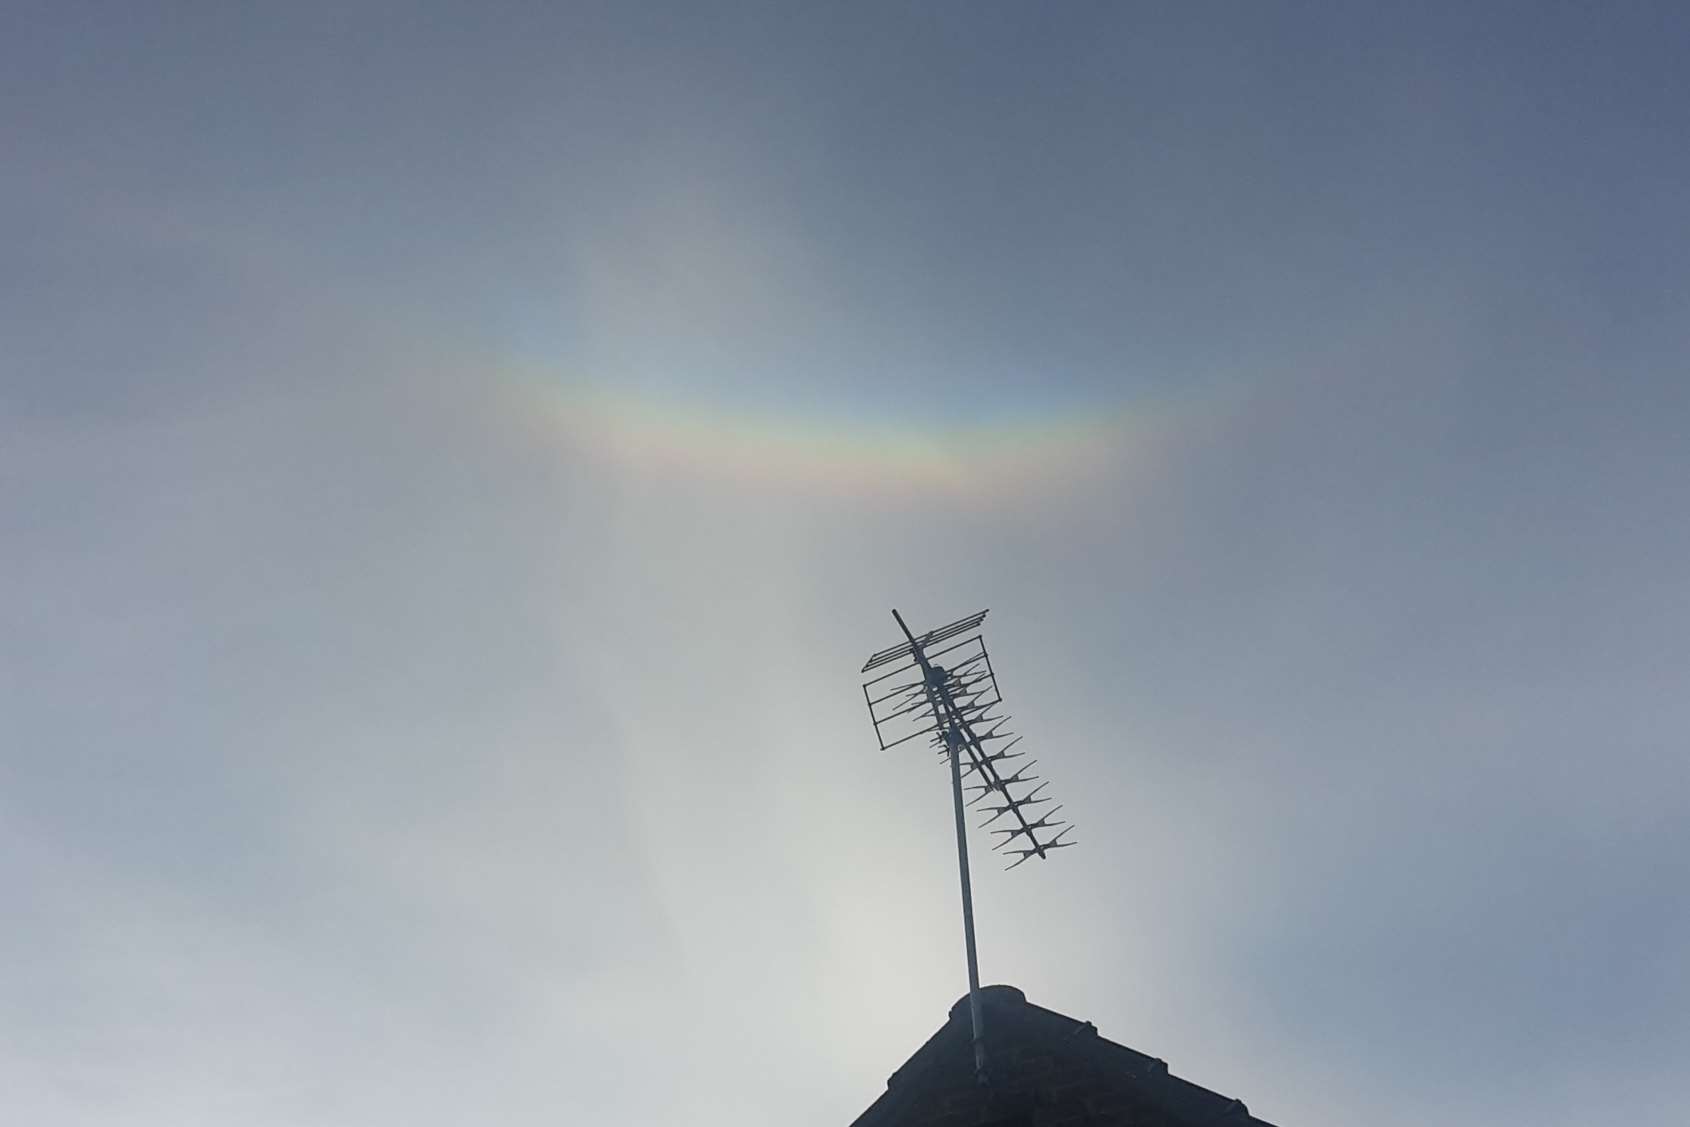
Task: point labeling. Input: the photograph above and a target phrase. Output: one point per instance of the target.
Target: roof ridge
(1145, 1076)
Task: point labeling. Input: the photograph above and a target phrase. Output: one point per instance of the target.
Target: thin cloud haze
(455, 462)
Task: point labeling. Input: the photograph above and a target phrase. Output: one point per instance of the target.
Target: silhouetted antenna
(941, 685)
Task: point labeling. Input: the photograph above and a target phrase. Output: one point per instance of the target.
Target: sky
(454, 460)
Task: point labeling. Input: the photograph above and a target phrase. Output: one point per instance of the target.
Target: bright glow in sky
(456, 459)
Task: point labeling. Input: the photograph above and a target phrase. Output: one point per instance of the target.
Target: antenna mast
(946, 704)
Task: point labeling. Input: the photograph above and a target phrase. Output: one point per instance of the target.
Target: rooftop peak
(991, 996)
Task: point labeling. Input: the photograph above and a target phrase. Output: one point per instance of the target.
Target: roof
(1044, 1068)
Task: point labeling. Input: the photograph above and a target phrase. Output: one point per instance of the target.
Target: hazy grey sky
(454, 459)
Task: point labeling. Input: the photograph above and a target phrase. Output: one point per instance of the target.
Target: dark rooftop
(1044, 1069)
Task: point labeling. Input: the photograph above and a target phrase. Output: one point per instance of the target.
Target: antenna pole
(953, 741)
(967, 910)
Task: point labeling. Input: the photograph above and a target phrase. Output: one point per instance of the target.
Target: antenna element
(946, 690)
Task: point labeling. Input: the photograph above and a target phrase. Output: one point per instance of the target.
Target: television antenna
(941, 685)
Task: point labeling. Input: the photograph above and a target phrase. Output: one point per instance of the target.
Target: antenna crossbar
(909, 646)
